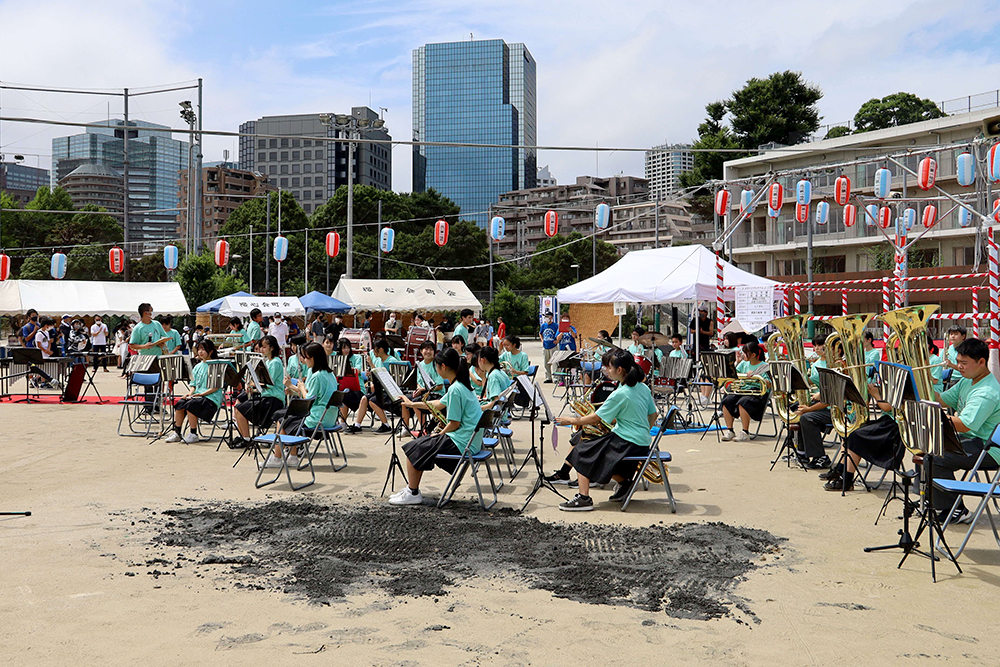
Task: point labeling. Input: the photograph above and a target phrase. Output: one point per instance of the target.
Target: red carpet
(53, 399)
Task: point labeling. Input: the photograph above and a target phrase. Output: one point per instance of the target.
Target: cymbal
(654, 338)
(601, 341)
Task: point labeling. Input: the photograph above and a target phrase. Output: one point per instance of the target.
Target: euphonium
(847, 342)
(753, 385)
(583, 407)
(790, 333)
(909, 331)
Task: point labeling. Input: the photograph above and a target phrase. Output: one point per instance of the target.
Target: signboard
(754, 306)
(621, 307)
(547, 304)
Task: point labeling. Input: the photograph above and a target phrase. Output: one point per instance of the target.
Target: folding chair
(466, 462)
(329, 436)
(297, 407)
(142, 394)
(504, 436)
(985, 491)
(491, 440)
(657, 457)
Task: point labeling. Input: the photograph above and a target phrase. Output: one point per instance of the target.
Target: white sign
(754, 306)
(547, 304)
(621, 308)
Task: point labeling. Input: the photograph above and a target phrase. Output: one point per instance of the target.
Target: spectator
(317, 330)
(547, 334)
(27, 333)
(99, 342)
(278, 329)
(65, 327)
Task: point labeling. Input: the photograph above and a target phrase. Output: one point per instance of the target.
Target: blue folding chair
(328, 436)
(471, 462)
(143, 395)
(657, 458)
(297, 407)
(985, 491)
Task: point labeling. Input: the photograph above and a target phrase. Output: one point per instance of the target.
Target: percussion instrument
(361, 339)
(605, 343)
(415, 336)
(654, 339)
(642, 362)
(601, 391)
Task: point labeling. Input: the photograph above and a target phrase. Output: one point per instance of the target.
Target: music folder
(787, 377)
(898, 384)
(410, 381)
(425, 377)
(527, 385)
(836, 388)
(388, 385)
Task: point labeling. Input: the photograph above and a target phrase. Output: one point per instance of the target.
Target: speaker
(991, 127)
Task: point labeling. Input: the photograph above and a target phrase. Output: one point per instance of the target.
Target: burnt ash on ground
(322, 552)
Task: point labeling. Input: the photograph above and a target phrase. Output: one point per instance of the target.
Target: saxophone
(846, 343)
(909, 332)
(790, 333)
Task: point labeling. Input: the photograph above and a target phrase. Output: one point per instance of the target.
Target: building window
(284, 182)
(295, 143)
(319, 180)
(284, 143)
(272, 143)
(307, 168)
(319, 194)
(307, 195)
(307, 142)
(273, 169)
(307, 207)
(295, 168)
(284, 154)
(295, 155)
(319, 166)
(284, 169)
(965, 256)
(261, 157)
(318, 153)
(297, 195)
(295, 182)
(262, 143)
(307, 155)
(307, 181)
(274, 156)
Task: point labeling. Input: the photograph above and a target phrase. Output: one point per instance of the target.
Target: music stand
(718, 366)
(32, 358)
(898, 386)
(836, 389)
(173, 368)
(678, 369)
(787, 379)
(92, 373)
(537, 453)
(395, 395)
(254, 373)
(223, 375)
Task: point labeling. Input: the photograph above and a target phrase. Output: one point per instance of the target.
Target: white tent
(663, 275)
(240, 306)
(89, 297)
(404, 295)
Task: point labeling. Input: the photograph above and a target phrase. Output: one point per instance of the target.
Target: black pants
(102, 350)
(946, 465)
(811, 426)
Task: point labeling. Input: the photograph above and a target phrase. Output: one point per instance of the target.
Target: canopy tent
(404, 295)
(213, 306)
(317, 302)
(662, 275)
(240, 306)
(90, 297)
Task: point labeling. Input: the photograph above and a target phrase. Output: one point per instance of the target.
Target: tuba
(846, 345)
(753, 385)
(907, 345)
(790, 333)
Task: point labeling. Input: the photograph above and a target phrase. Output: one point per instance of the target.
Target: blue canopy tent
(317, 302)
(214, 306)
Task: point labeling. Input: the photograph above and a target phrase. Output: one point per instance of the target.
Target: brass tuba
(753, 385)
(846, 343)
(790, 333)
(907, 345)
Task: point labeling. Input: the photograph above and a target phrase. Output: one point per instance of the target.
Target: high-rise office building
(313, 170)
(21, 182)
(664, 165)
(154, 159)
(478, 92)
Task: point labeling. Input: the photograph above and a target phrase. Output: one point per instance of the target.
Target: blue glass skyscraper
(479, 92)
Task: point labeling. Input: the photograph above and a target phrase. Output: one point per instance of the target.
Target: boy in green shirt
(252, 333)
(462, 329)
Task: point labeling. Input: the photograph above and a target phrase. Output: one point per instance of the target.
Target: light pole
(188, 115)
(577, 267)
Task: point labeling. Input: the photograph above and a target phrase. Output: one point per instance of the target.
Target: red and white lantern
(996, 209)
(722, 203)
(850, 215)
(221, 253)
(441, 233)
(926, 173)
(4, 267)
(116, 260)
(776, 196)
(930, 216)
(842, 190)
(551, 223)
(884, 217)
(993, 163)
(802, 213)
(332, 244)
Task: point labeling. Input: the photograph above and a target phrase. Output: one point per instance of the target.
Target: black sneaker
(354, 428)
(840, 484)
(574, 484)
(961, 515)
(384, 428)
(832, 473)
(578, 504)
(622, 491)
(819, 463)
(558, 477)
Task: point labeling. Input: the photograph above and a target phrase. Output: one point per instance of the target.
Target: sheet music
(898, 384)
(425, 377)
(388, 384)
(532, 390)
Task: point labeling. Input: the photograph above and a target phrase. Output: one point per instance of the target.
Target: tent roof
(213, 306)
(240, 306)
(661, 275)
(90, 297)
(406, 294)
(321, 303)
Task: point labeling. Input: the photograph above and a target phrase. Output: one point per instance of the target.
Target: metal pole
(190, 199)
(125, 211)
(279, 234)
(250, 287)
(809, 271)
(327, 272)
(307, 261)
(379, 228)
(267, 241)
(656, 225)
(593, 271)
(199, 211)
(350, 205)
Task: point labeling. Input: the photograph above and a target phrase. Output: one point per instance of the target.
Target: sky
(628, 76)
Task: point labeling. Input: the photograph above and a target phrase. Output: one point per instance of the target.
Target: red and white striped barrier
(843, 302)
(993, 272)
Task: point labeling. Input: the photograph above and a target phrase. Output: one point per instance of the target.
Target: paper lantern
(964, 216)
(803, 192)
(909, 218)
(746, 198)
(280, 248)
(221, 253)
(930, 215)
(602, 216)
(4, 267)
(993, 163)
(926, 173)
(57, 267)
(850, 215)
(441, 233)
(822, 213)
(901, 229)
(842, 190)
(871, 214)
(802, 212)
(498, 228)
(332, 244)
(388, 239)
(776, 196)
(116, 260)
(965, 169)
(883, 183)
(884, 217)
(551, 223)
(996, 209)
(772, 213)
(170, 257)
(721, 203)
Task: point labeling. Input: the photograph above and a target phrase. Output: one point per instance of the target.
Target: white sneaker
(407, 498)
(272, 462)
(293, 462)
(190, 438)
(743, 437)
(399, 493)
(728, 435)
(173, 437)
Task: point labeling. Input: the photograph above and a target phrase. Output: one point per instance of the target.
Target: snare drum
(645, 364)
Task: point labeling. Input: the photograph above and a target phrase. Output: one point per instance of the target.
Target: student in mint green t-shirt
(174, 345)
(488, 361)
(259, 409)
(426, 373)
(202, 402)
(252, 332)
(516, 361)
(747, 407)
(148, 337)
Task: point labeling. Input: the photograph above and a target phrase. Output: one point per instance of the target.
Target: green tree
(894, 110)
(712, 135)
(33, 229)
(520, 313)
(837, 131)
(780, 108)
(202, 281)
(552, 270)
(35, 267)
(89, 262)
(254, 214)
(87, 226)
(150, 269)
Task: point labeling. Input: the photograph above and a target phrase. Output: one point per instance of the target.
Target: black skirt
(352, 399)
(423, 451)
(260, 410)
(200, 406)
(600, 458)
(878, 442)
(754, 405)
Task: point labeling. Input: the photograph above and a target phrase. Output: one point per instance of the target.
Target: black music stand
(390, 390)
(230, 379)
(898, 386)
(836, 389)
(527, 386)
(679, 370)
(787, 379)
(32, 358)
(718, 366)
(254, 372)
(91, 374)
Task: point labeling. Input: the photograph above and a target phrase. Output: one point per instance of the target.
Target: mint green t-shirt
(175, 341)
(630, 407)
(680, 354)
(636, 349)
(463, 407)
(461, 331)
(873, 356)
(518, 361)
(199, 381)
(496, 382)
(814, 371)
(746, 368)
(432, 374)
(276, 370)
(952, 354)
(319, 387)
(937, 373)
(148, 333)
(251, 332)
(978, 406)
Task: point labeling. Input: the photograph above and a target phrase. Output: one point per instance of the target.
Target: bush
(520, 313)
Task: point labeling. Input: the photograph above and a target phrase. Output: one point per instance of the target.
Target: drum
(414, 337)
(361, 339)
(602, 391)
(645, 364)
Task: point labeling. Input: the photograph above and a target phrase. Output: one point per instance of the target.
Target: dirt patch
(321, 551)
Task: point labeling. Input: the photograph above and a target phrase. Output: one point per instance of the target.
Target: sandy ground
(65, 598)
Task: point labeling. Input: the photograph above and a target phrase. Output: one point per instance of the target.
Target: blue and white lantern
(498, 228)
(170, 257)
(772, 212)
(871, 214)
(822, 213)
(909, 218)
(388, 239)
(746, 198)
(964, 216)
(883, 183)
(57, 268)
(803, 192)
(280, 248)
(602, 216)
(965, 169)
